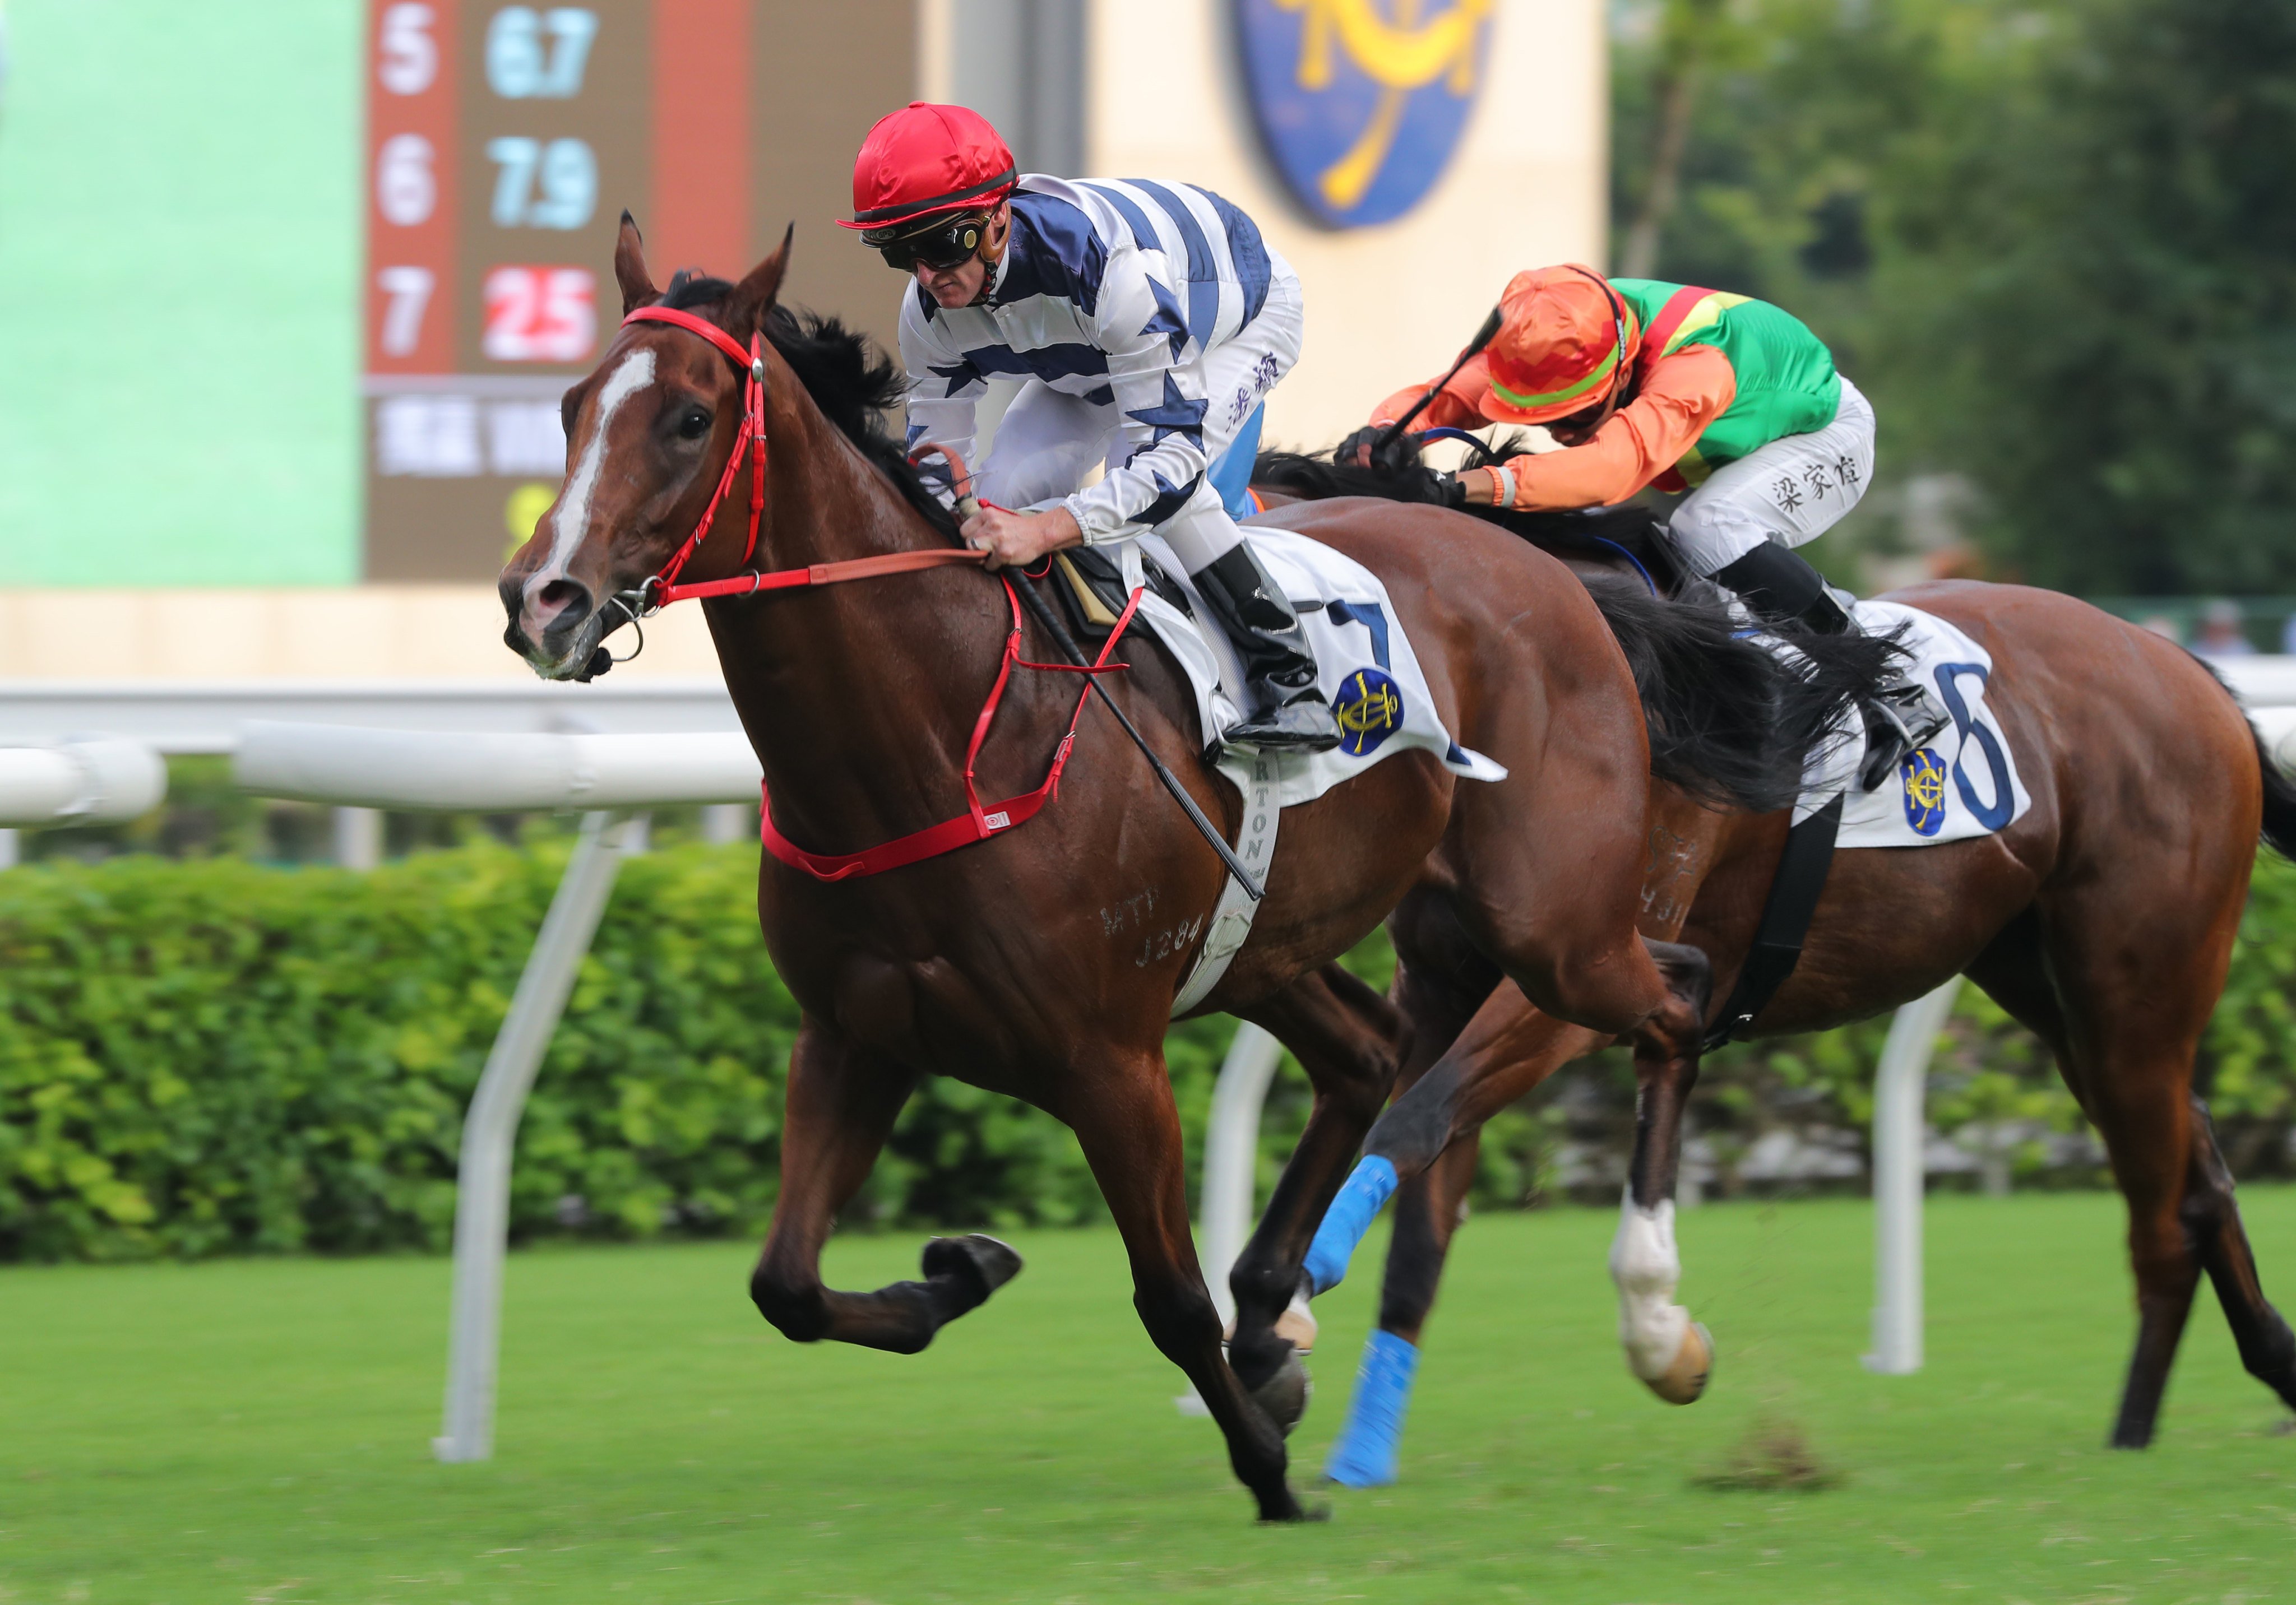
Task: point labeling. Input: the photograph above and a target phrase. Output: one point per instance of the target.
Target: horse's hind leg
(1120, 1109)
(2127, 1058)
(841, 1106)
(2137, 961)
(1348, 1038)
(2268, 1349)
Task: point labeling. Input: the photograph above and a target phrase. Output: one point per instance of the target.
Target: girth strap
(1786, 923)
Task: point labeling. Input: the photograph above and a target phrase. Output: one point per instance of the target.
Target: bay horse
(2103, 920)
(1043, 962)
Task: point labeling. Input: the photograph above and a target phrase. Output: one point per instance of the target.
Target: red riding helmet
(926, 159)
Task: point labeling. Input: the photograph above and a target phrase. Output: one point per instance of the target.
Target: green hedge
(213, 1057)
(205, 1057)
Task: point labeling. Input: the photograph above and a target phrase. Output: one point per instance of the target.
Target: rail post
(1232, 1154)
(490, 1129)
(1898, 1130)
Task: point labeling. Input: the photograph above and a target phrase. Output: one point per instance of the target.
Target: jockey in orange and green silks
(1730, 402)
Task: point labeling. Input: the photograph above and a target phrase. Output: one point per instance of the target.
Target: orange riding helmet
(1565, 338)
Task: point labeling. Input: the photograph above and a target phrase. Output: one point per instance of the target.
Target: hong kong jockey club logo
(1370, 710)
(1362, 102)
(1924, 777)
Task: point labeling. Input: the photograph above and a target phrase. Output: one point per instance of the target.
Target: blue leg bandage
(1345, 1223)
(1364, 1454)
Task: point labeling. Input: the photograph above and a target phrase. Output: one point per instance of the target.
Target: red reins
(662, 586)
(980, 821)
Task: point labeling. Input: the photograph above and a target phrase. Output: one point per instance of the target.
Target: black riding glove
(1394, 458)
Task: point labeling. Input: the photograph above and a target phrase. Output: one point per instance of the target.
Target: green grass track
(259, 1431)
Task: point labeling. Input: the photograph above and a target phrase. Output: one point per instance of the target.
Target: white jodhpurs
(1048, 443)
(1793, 490)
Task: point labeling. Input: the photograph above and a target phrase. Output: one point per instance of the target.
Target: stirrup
(1305, 725)
(1890, 734)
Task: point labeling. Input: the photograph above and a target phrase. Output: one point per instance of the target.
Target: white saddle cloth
(1962, 783)
(1369, 674)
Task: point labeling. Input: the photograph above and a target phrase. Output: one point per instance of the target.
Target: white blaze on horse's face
(572, 521)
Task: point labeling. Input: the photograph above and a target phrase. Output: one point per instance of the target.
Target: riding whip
(1052, 627)
(1483, 337)
(967, 505)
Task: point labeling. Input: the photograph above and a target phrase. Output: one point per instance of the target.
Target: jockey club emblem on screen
(1370, 710)
(1362, 102)
(1924, 776)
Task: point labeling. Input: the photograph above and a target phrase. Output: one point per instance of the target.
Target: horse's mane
(1729, 722)
(853, 383)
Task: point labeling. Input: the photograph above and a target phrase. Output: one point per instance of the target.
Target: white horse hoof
(1684, 1382)
(1297, 1323)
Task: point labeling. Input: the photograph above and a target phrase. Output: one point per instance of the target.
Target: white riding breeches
(1048, 442)
(1793, 490)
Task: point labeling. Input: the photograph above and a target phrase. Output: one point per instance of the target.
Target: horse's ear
(754, 296)
(630, 268)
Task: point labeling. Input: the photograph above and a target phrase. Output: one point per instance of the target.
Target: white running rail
(91, 780)
(612, 778)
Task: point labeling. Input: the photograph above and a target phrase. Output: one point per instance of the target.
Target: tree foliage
(2055, 239)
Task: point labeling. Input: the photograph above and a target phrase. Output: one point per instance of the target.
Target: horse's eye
(694, 424)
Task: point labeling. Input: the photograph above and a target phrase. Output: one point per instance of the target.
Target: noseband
(661, 588)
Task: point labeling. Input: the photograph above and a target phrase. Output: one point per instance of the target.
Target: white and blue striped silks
(1364, 1454)
(1147, 320)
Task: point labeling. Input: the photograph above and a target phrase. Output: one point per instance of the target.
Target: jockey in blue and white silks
(1146, 321)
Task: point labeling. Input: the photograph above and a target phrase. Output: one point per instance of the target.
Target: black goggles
(940, 244)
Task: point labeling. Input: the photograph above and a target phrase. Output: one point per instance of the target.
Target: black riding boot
(1780, 587)
(1288, 713)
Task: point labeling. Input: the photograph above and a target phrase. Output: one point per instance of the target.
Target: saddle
(1090, 587)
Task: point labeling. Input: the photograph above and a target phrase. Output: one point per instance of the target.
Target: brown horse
(2103, 920)
(1043, 963)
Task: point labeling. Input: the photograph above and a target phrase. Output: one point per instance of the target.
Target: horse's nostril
(563, 604)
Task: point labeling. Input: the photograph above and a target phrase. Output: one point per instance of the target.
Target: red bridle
(980, 821)
(661, 586)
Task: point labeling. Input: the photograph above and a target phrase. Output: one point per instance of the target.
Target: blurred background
(288, 288)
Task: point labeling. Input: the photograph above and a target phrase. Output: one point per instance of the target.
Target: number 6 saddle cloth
(1961, 783)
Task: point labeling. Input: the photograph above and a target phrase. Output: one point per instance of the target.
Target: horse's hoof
(1287, 1508)
(1284, 1395)
(1685, 1379)
(980, 1262)
(1297, 1323)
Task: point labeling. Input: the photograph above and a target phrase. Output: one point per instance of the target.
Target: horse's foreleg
(1348, 1038)
(1428, 1209)
(1671, 1354)
(1507, 1048)
(841, 1106)
(1124, 1119)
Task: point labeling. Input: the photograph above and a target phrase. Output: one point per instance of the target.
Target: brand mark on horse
(1164, 943)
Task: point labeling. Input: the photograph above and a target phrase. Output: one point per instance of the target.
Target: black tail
(2279, 831)
(2279, 802)
(1730, 720)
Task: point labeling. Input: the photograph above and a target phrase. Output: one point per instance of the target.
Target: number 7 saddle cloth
(1369, 672)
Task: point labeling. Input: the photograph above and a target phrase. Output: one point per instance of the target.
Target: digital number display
(504, 142)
